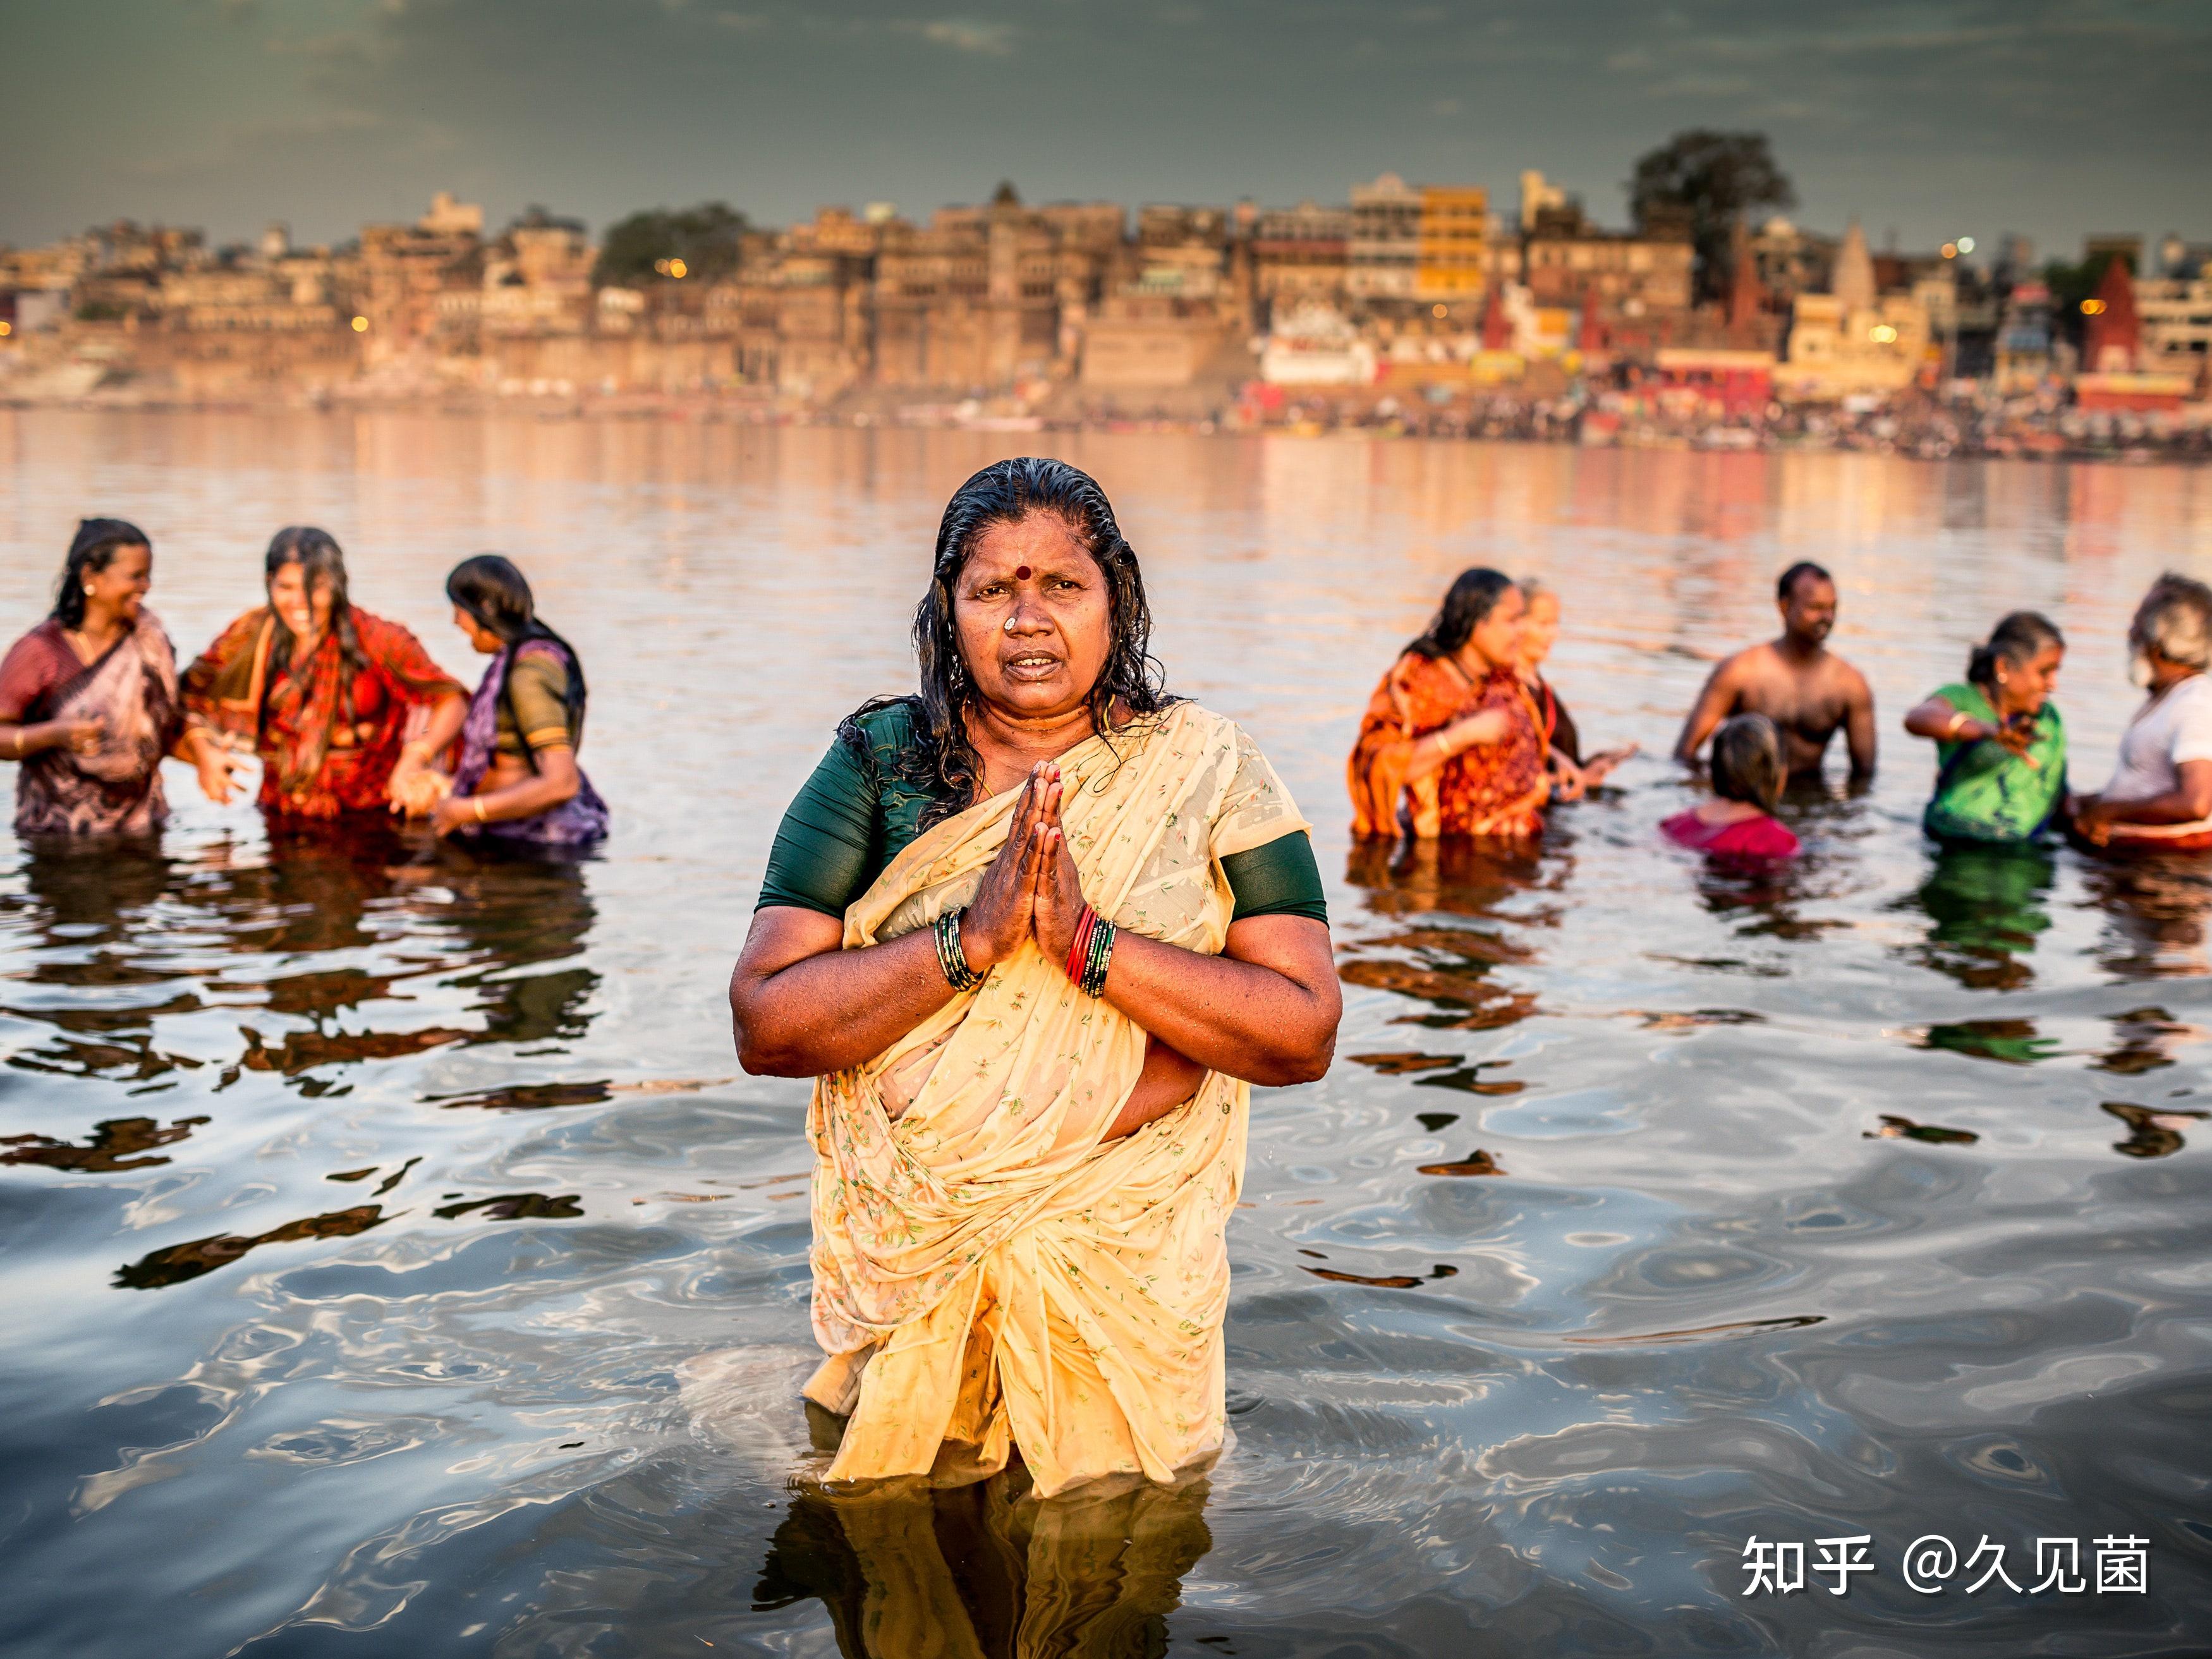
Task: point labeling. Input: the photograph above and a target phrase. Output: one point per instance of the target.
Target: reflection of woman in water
(2161, 795)
(1451, 743)
(1029, 1114)
(88, 699)
(2000, 742)
(325, 691)
(1540, 631)
(517, 779)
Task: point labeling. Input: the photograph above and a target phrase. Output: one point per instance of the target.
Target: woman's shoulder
(1962, 695)
(43, 647)
(882, 726)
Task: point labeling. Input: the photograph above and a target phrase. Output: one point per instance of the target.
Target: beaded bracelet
(950, 956)
(1098, 955)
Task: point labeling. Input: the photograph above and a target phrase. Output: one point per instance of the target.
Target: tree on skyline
(706, 237)
(1704, 183)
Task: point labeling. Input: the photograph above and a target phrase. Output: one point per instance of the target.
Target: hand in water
(218, 768)
(416, 790)
(1599, 767)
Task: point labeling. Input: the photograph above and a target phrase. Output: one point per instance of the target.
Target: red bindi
(1021, 572)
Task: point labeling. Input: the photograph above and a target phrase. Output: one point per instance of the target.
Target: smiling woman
(1036, 930)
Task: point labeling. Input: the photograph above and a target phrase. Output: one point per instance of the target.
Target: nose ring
(1009, 624)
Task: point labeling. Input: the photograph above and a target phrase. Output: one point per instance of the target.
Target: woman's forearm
(825, 1012)
(525, 798)
(443, 726)
(2175, 806)
(1248, 1021)
(21, 741)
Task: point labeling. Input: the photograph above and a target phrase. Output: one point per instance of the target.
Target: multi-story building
(1452, 257)
(2176, 315)
(1854, 338)
(1385, 256)
(1301, 256)
(1567, 261)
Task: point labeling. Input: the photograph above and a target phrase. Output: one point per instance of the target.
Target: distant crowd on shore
(1464, 736)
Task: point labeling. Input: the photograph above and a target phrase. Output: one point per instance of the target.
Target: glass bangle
(951, 960)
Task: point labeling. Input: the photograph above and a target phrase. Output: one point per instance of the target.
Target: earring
(88, 587)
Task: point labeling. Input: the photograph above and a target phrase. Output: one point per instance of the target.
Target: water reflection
(2153, 906)
(1445, 963)
(988, 1569)
(1988, 906)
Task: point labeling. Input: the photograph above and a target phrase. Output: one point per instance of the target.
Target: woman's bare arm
(800, 1007)
(1431, 751)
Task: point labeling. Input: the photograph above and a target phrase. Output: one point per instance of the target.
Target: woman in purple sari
(88, 699)
(517, 782)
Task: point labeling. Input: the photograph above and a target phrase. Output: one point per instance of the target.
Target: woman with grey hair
(2161, 795)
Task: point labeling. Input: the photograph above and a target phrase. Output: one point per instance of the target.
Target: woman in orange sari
(1451, 743)
(327, 692)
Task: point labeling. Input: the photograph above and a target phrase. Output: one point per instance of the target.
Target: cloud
(984, 39)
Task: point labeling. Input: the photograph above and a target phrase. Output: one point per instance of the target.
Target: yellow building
(1452, 262)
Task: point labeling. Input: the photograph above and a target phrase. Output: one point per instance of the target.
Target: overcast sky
(1930, 119)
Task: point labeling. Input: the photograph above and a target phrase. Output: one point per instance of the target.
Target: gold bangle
(477, 802)
(1957, 718)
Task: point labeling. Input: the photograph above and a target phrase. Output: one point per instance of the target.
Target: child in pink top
(1746, 778)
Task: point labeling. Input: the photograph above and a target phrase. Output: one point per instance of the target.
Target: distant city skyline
(1926, 120)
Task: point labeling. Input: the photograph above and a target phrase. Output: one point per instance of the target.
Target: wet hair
(1747, 764)
(1467, 602)
(941, 759)
(316, 554)
(91, 550)
(491, 590)
(2015, 642)
(1787, 583)
(2175, 620)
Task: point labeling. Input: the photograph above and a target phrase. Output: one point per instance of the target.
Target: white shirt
(2177, 727)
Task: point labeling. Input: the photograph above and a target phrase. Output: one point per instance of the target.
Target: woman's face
(120, 589)
(306, 613)
(1539, 628)
(2024, 688)
(1497, 635)
(478, 635)
(1034, 621)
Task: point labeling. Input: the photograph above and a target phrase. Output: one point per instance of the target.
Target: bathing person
(323, 690)
(1747, 776)
(2161, 795)
(88, 699)
(1452, 744)
(1539, 630)
(2000, 741)
(1035, 932)
(1795, 681)
(517, 779)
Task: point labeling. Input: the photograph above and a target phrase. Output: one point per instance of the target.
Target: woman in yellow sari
(1035, 932)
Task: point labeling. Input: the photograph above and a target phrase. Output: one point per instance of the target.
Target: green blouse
(855, 815)
(1983, 792)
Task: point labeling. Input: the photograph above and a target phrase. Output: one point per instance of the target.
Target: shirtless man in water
(1795, 681)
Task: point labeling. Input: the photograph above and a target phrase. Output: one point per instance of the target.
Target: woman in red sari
(88, 699)
(327, 692)
(1451, 743)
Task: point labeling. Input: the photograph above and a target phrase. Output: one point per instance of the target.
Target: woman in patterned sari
(1035, 932)
(1451, 743)
(88, 699)
(326, 693)
(518, 782)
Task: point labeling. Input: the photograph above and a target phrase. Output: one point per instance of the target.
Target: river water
(395, 1262)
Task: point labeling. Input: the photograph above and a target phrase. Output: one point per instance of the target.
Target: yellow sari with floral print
(988, 1271)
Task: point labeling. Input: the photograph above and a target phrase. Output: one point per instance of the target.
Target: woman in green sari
(2000, 741)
